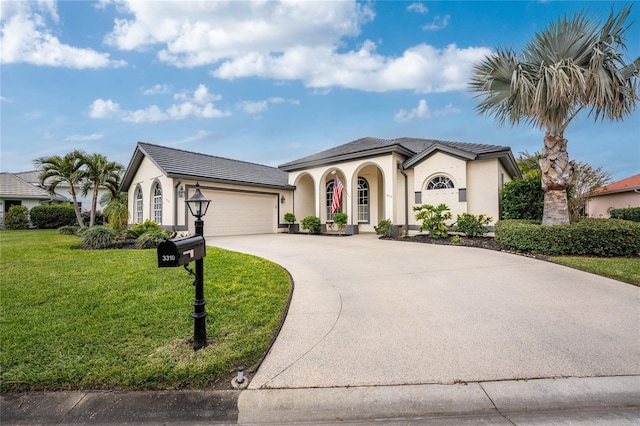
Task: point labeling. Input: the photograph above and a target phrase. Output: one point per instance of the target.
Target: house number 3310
(168, 257)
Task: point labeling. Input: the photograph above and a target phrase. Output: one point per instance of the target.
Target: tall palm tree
(57, 169)
(573, 64)
(99, 172)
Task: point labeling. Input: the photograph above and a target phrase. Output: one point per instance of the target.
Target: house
(16, 191)
(621, 194)
(382, 179)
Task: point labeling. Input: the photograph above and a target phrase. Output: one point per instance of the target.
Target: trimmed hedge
(631, 213)
(53, 216)
(594, 237)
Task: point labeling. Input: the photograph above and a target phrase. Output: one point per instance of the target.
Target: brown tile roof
(624, 185)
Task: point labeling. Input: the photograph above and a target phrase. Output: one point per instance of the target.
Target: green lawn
(618, 268)
(111, 319)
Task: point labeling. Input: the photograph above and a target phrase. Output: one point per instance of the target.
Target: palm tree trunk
(557, 172)
(72, 190)
(94, 206)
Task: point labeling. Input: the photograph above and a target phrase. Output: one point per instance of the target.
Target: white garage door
(234, 213)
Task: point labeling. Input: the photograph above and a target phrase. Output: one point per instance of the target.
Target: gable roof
(178, 163)
(629, 184)
(413, 149)
(12, 186)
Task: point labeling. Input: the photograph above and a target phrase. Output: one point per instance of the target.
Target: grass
(619, 268)
(111, 319)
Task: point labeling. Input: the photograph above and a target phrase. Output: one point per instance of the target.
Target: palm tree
(116, 210)
(57, 169)
(575, 63)
(99, 172)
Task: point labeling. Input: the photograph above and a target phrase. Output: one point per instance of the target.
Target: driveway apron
(370, 312)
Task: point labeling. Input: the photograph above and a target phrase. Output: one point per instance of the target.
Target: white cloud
(423, 112)
(256, 107)
(79, 138)
(418, 8)
(26, 37)
(198, 105)
(157, 89)
(200, 134)
(438, 23)
(7, 100)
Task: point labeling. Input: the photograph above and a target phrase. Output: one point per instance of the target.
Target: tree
(99, 172)
(585, 179)
(57, 169)
(573, 64)
(116, 210)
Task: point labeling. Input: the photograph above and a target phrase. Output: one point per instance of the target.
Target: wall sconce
(282, 200)
(181, 192)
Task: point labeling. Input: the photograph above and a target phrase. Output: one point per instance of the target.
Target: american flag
(337, 195)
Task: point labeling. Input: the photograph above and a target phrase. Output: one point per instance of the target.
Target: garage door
(233, 213)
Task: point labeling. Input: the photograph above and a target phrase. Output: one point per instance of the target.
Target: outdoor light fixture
(198, 206)
(240, 377)
(181, 192)
(282, 200)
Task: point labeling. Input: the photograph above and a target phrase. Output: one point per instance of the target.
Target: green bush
(152, 238)
(340, 219)
(53, 216)
(289, 217)
(142, 228)
(523, 199)
(433, 219)
(100, 218)
(592, 237)
(99, 237)
(17, 218)
(68, 230)
(312, 223)
(631, 213)
(472, 225)
(384, 228)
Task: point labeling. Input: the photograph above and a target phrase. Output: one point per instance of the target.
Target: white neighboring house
(14, 190)
(382, 179)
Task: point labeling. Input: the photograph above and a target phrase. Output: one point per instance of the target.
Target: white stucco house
(16, 191)
(616, 195)
(382, 179)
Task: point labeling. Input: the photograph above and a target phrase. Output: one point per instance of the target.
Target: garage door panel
(234, 213)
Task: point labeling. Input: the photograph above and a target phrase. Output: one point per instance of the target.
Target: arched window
(139, 205)
(329, 200)
(440, 182)
(157, 204)
(363, 200)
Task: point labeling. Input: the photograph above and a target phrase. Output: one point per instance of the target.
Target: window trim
(437, 182)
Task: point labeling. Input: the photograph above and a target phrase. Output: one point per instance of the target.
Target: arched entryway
(304, 197)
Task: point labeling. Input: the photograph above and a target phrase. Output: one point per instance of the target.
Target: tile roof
(178, 163)
(629, 184)
(409, 147)
(12, 186)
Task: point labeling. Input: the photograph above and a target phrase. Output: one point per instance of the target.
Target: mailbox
(180, 251)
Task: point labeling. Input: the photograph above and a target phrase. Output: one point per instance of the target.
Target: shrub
(456, 239)
(523, 199)
(152, 238)
(472, 225)
(142, 228)
(100, 218)
(17, 218)
(312, 223)
(593, 237)
(99, 237)
(433, 219)
(340, 219)
(68, 230)
(384, 228)
(631, 213)
(53, 216)
(289, 217)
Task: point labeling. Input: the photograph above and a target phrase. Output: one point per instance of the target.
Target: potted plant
(290, 218)
(340, 219)
(312, 223)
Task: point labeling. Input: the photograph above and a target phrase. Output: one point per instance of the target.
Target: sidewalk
(599, 400)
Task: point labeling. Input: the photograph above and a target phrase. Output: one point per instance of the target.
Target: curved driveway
(373, 312)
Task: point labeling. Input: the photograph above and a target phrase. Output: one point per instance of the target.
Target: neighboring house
(621, 194)
(63, 190)
(382, 179)
(16, 191)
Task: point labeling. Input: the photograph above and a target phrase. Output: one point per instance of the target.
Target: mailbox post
(198, 206)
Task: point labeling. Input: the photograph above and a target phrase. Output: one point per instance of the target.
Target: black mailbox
(180, 251)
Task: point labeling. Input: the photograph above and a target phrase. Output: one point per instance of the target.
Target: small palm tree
(57, 169)
(116, 210)
(573, 64)
(99, 172)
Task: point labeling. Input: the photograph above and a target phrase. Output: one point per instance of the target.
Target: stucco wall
(484, 184)
(598, 206)
(146, 175)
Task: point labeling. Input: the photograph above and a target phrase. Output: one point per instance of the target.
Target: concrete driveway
(370, 312)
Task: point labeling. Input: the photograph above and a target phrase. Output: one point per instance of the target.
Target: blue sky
(269, 82)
